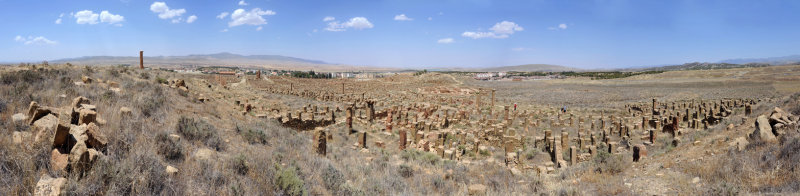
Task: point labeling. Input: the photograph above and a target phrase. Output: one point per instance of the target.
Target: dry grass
(253, 156)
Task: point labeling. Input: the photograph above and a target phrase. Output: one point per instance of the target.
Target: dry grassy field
(165, 133)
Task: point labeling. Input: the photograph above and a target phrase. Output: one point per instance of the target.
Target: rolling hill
(221, 59)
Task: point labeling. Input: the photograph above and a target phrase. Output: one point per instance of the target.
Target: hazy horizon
(408, 34)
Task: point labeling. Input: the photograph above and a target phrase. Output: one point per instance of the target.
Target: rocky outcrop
(77, 141)
(763, 130)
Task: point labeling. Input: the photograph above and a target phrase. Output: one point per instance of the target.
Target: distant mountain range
(784, 60)
(520, 68)
(293, 63)
(532, 68)
(220, 59)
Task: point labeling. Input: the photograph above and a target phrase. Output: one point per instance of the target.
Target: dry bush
(200, 130)
(18, 174)
(240, 165)
(613, 164)
(170, 149)
(762, 167)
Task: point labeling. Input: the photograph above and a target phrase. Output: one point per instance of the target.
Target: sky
(407, 33)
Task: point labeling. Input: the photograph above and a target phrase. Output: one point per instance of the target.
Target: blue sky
(407, 33)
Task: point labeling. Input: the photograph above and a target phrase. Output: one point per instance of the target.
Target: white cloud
(191, 19)
(445, 40)
(430, 18)
(164, 12)
(259, 28)
(561, 26)
(506, 27)
(222, 15)
(252, 17)
(355, 23)
(500, 30)
(328, 18)
(58, 21)
(86, 17)
(242, 3)
(35, 40)
(89, 17)
(402, 17)
(109, 18)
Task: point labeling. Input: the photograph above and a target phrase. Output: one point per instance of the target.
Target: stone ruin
(453, 123)
(77, 140)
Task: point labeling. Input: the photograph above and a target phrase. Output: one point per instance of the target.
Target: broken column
(493, 98)
(320, 141)
(141, 59)
(362, 139)
(402, 141)
(639, 152)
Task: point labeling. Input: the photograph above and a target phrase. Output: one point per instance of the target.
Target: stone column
(639, 152)
(389, 121)
(478, 101)
(349, 114)
(141, 59)
(362, 139)
(564, 138)
(320, 141)
(654, 107)
(652, 136)
(493, 98)
(402, 142)
(573, 155)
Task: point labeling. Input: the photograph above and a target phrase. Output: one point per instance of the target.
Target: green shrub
(161, 80)
(610, 163)
(288, 182)
(255, 136)
(430, 158)
(239, 164)
(405, 170)
(170, 149)
(333, 179)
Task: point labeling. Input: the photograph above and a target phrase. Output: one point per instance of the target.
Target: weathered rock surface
(48, 186)
(763, 131)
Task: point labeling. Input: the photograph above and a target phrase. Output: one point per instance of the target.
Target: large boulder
(79, 158)
(39, 113)
(44, 127)
(87, 116)
(48, 186)
(763, 130)
(62, 134)
(58, 161)
(95, 138)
